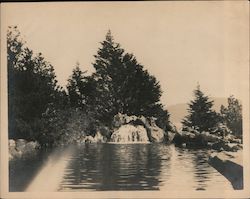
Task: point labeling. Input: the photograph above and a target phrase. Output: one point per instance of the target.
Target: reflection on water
(23, 170)
(129, 167)
(114, 167)
(140, 167)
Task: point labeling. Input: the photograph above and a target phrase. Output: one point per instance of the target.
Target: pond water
(123, 167)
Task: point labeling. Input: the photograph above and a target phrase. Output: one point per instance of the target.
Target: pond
(110, 167)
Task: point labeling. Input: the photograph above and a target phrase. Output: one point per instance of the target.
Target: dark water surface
(129, 167)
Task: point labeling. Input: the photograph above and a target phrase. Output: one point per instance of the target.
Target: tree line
(202, 117)
(40, 109)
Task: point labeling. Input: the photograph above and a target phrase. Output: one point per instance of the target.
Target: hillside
(179, 111)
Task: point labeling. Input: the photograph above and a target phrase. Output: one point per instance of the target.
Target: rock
(188, 135)
(229, 164)
(221, 130)
(21, 148)
(12, 143)
(178, 139)
(105, 132)
(118, 120)
(31, 147)
(10, 156)
(232, 139)
(171, 136)
(226, 146)
(20, 144)
(99, 138)
(130, 134)
(156, 134)
(14, 153)
(89, 139)
(122, 119)
(208, 137)
(184, 145)
(191, 139)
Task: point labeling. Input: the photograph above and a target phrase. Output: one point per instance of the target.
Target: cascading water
(130, 134)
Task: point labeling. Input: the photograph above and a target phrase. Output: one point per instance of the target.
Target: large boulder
(130, 134)
(155, 133)
(230, 165)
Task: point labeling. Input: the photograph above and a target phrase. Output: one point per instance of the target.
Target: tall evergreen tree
(75, 86)
(201, 116)
(232, 116)
(123, 85)
(81, 88)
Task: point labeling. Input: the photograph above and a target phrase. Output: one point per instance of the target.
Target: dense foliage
(232, 116)
(119, 85)
(201, 115)
(32, 88)
(41, 110)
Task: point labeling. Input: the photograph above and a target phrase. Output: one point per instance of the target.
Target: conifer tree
(201, 117)
(123, 85)
(75, 87)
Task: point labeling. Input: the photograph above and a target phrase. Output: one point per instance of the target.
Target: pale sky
(180, 43)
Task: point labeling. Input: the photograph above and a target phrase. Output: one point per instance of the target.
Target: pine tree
(75, 87)
(201, 116)
(232, 116)
(81, 88)
(123, 85)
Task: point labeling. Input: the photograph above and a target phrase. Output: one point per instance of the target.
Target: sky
(180, 43)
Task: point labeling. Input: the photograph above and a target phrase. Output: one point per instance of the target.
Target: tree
(80, 88)
(201, 116)
(232, 116)
(32, 87)
(75, 86)
(122, 85)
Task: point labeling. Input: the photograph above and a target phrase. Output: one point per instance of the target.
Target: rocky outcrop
(122, 119)
(193, 138)
(98, 138)
(156, 134)
(229, 164)
(20, 147)
(130, 134)
(153, 132)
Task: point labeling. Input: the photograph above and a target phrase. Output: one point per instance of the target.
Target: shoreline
(230, 165)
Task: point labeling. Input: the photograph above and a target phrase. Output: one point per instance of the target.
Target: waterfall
(130, 134)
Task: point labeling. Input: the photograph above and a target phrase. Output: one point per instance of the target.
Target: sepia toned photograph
(125, 99)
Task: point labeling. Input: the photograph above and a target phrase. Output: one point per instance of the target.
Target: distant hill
(179, 111)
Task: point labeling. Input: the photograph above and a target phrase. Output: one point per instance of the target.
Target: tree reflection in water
(114, 167)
